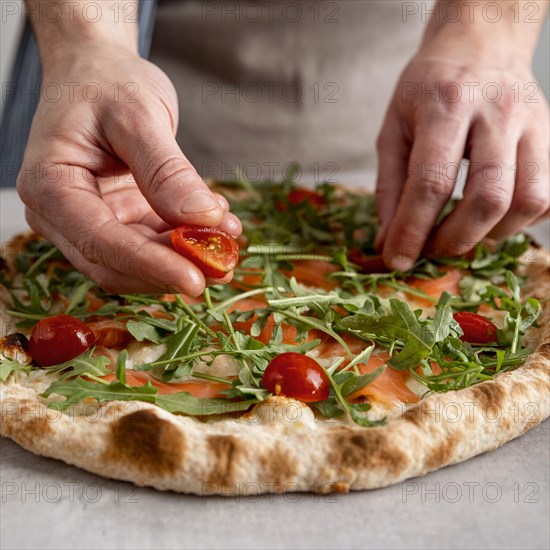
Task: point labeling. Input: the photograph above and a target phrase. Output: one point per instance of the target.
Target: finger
(130, 206)
(145, 229)
(164, 175)
(393, 152)
(224, 203)
(531, 198)
(487, 193)
(436, 154)
(110, 280)
(231, 225)
(73, 204)
(224, 280)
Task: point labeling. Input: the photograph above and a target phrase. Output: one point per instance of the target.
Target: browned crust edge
(141, 443)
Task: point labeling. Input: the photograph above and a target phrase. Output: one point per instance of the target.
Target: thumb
(165, 176)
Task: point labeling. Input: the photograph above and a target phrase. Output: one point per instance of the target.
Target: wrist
(77, 32)
(499, 37)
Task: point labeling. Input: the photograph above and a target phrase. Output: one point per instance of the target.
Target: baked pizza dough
(281, 444)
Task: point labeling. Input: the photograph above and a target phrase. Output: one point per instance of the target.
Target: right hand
(77, 178)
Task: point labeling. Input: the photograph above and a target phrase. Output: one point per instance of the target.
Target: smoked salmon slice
(202, 389)
(314, 273)
(389, 387)
(450, 282)
(111, 333)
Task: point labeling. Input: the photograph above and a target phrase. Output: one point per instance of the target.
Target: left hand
(425, 136)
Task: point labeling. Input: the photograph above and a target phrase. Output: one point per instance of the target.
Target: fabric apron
(263, 83)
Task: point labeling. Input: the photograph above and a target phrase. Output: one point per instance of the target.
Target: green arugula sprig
(279, 233)
(75, 390)
(9, 367)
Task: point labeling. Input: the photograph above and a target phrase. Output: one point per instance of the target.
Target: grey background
(10, 29)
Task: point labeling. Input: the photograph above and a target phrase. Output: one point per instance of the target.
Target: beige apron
(262, 83)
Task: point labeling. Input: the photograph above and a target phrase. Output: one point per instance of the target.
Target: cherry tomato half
(213, 251)
(298, 376)
(368, 264)
(58, 339)
(298, 196)
(476, 328)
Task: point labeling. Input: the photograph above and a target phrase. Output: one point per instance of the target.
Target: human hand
(485, 109)
(77, 179)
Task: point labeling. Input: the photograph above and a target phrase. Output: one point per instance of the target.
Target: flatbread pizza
(315, 369)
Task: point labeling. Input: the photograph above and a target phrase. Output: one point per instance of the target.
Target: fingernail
(399, 262)
(199, 201)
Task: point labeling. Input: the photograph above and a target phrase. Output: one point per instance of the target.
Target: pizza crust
(281, 446)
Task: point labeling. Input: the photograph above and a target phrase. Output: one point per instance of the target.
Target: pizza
(315, 369)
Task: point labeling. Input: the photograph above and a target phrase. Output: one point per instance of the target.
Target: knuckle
(411, 234)
(168, 171)
(132, 117)
(434, 187)
(531, 206)
(452, 112)
(492, 203)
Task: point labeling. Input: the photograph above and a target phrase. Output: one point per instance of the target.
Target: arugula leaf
(9, 367)
(178, 346)
(357, 411)
(402, 328)
(142, 330)
(79, 389)
(278, 238)
(77, 297)
(120, 370)
(330, 408)
(185, 403)
(356, 383)
(82, 364)
(344, 384)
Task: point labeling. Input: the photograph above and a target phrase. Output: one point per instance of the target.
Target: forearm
(502, 32)
(63, 28)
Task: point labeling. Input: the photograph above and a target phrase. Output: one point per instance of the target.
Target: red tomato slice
(368, 264)
(298, 376)
(476, 328)
(213, 251)
(58, 339)
(298, 196)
